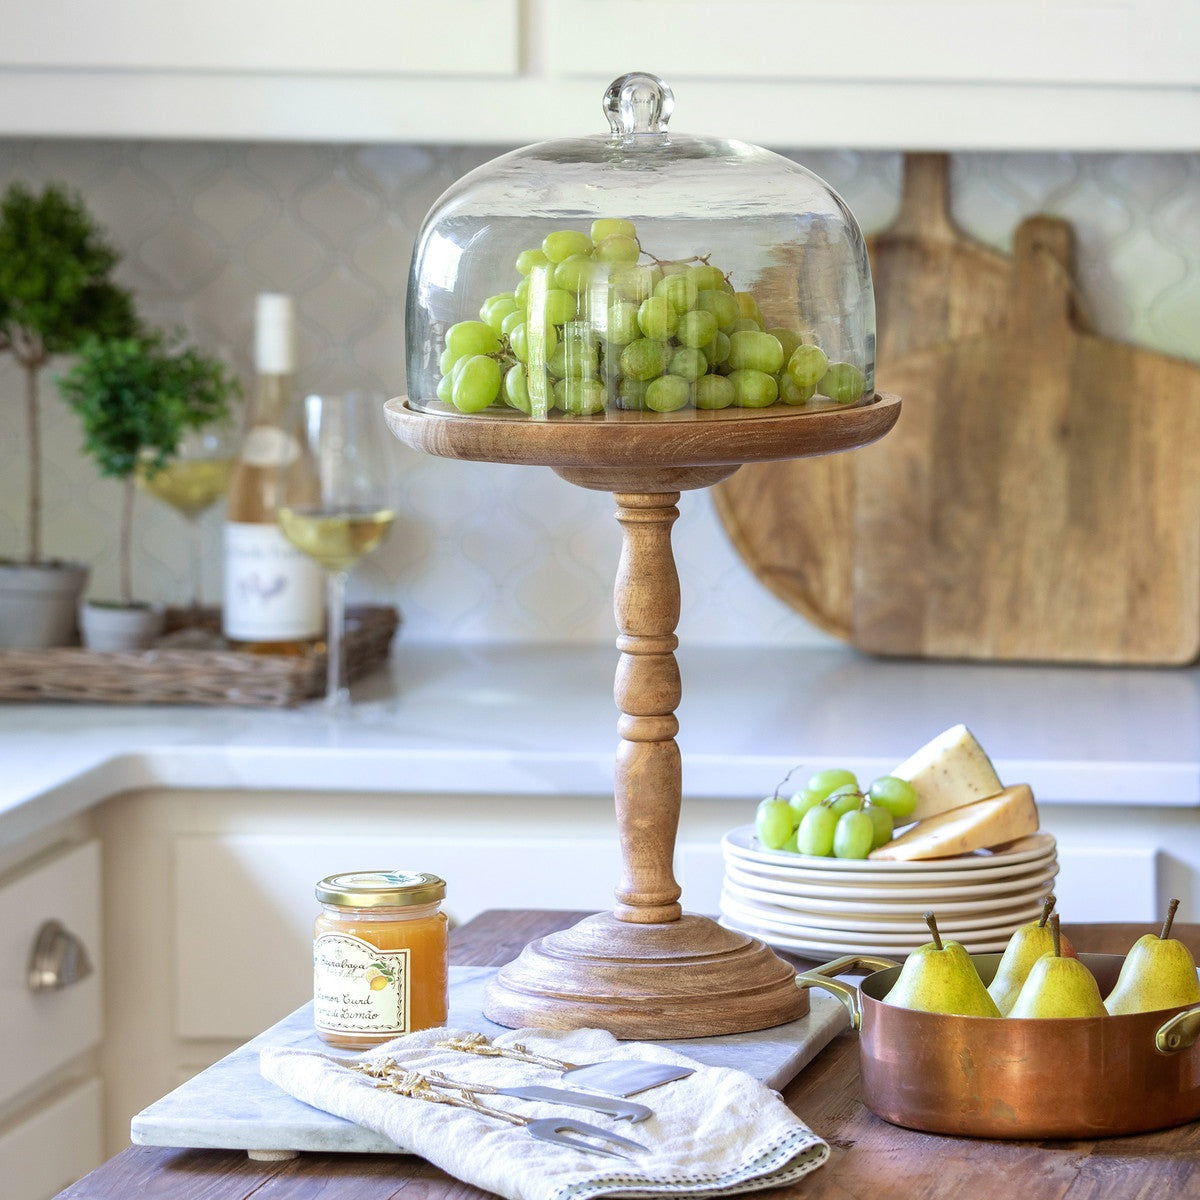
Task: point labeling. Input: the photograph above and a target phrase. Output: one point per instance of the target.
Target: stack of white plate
(826, 907)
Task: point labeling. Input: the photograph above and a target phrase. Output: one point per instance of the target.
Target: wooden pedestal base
(678, 979)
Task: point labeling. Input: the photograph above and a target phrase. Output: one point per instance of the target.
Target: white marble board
(231, 1106)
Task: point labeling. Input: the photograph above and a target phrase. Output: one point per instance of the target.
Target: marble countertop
(536, 719)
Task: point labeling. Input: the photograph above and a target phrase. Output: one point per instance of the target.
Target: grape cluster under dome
(638, 275)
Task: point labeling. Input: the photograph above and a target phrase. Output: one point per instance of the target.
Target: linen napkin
(716, 1132)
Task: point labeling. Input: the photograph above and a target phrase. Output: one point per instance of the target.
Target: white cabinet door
(384, 37)
(1142, 42)
(53, 1147)
(43, 1030)
(245, 907)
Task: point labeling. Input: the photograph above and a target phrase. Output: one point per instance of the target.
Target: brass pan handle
(1180, 1032)
(823, 977)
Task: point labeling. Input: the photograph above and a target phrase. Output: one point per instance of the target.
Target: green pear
(1058, 986)
(1158, 972)
(939, 977)
(1025, 947)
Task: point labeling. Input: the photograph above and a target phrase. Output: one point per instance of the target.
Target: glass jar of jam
(379, 956)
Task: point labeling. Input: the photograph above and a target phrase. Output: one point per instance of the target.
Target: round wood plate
(727, 437)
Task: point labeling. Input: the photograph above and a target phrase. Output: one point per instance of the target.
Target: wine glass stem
(335, 693)
(194, 566)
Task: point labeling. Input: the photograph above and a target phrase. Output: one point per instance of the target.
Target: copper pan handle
(1180, 1032)
(823, 977)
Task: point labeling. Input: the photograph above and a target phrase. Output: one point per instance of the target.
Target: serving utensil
(613, 1106)
(559, 1131)
(617, 1077)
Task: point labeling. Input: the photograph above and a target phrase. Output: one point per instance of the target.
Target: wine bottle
(273, 593)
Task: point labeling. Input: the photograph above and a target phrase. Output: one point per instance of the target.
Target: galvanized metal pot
(1018, 1078)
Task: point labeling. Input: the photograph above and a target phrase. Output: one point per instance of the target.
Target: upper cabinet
(945, 74)
(265, 37)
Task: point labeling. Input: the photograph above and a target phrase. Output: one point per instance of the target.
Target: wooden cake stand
(647, 969)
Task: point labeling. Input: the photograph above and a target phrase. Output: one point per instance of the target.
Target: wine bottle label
(358, 988)
(269, 446)
(273, 593)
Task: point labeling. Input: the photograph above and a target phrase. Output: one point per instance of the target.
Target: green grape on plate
(816, 831)
(854, 835)
(774, 823)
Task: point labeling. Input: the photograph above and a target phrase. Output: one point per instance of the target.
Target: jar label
(358, 988)
(273, 593)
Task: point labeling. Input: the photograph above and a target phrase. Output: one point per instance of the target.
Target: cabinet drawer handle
(58, 959)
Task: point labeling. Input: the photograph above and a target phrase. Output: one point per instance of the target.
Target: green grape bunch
(595, 323)
(833, 817)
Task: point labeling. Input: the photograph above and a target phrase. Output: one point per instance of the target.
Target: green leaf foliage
(138, 396)
(54, 268)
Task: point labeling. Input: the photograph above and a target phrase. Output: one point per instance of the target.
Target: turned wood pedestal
(647, 969)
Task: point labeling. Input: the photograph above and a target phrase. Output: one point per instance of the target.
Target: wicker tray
(178, 676)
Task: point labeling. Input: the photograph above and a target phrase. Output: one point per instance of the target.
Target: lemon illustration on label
(379, 975)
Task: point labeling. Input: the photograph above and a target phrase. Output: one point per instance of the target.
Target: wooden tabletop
(871, 1159)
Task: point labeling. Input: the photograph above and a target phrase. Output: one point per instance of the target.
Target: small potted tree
(137, 397)
(55, 291)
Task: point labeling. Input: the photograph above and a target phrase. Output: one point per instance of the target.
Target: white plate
(910, 890)
(914, 880)
(827, 951)
(851, 899)
(821, 928)
(951, 924)
(740, 843)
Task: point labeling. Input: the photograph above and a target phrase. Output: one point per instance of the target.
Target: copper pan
(1018, 1078)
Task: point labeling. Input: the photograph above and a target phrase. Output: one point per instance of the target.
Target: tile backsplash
(482, 551)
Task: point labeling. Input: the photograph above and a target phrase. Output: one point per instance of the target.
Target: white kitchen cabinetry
(359, 37)
(56, 1145)
(244, 947)
(988, 74)
(50, 1093)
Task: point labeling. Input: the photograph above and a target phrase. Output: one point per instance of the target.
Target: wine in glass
(341, 511)
(191, 482)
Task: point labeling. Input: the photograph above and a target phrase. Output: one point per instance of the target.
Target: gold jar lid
(381, 889)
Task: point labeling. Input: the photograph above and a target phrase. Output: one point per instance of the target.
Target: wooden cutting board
(1039, 498)
(793, 522)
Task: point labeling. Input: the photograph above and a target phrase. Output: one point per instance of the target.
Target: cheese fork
(613, 1106)
(560, 1131)
(614, 1076)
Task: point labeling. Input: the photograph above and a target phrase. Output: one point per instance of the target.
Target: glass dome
(636, 275)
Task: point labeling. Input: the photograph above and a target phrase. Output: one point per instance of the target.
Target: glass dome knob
(638, 103)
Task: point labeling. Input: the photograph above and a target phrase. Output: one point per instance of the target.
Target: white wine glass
(342, 511)
(191, 481)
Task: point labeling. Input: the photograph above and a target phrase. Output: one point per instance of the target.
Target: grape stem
(786, 778)
(833, 797)
(695, 258)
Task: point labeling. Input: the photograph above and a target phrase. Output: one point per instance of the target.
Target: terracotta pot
(118, 627)
(1012, 1077)
(38, 603)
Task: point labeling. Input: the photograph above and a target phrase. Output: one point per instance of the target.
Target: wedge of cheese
(949, 772)
(1003, 818)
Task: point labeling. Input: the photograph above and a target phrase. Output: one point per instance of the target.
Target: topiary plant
(55, 291)
(137, 397)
